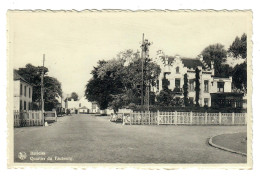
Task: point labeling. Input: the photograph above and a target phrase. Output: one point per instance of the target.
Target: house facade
(214, 91)
(23, 91)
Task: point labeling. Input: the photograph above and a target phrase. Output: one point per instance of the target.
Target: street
(88, 138)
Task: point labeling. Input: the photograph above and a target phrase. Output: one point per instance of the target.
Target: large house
(214, 91)
(22, 93)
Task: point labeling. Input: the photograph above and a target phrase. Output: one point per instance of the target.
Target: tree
(52, 87)
(238, 49)
(197, 86)
(240, 77)
(74, 96)
(116, 84)
(185, 90)
(215, 53)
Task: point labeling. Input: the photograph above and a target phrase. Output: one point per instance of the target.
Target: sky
(74, 42)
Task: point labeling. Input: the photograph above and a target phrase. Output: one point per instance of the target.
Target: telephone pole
(142, 84)
(42, 87)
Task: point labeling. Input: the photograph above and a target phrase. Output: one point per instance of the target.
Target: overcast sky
(74, 42)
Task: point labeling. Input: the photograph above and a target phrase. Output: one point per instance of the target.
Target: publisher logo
(22, 155)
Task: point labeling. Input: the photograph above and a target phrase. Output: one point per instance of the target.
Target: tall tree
(52, 87)
(238, 49)
(116, 83)
(215, 53)
(197, 86)
(74, 96)
(185, 90)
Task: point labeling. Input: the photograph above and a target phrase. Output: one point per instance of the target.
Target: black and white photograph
(156, 89)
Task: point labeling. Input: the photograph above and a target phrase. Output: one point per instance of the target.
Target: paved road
(93, 139)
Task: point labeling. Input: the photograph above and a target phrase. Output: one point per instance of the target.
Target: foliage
(73, 96)
(164, 97)
(215, 53)
(238, 49)
(165, 83)
(185, 90)
(52, 87)
(117, 82)
(197, 86)
(239, 78)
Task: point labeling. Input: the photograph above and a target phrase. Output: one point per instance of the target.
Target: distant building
(214, 91)
(23, 91)
(81, 105)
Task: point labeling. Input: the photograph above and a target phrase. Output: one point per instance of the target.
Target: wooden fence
(184, 118)
(28, 118)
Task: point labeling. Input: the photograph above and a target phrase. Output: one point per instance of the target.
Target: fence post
(176, 118)
(158, 117)
(123, 119)
(245, 115)
(219, 117)
(233, 118)
(206, 117)
(191, 117)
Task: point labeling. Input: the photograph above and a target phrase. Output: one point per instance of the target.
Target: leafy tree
(185, 90)
(215, 53)
(74, 96)
(197, 86)
(240, 77)
(238, 49)
(52, 87)
(116, 83)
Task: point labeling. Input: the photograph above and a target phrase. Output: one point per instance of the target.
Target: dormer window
(177, 70)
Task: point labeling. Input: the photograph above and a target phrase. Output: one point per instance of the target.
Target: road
(94, 139)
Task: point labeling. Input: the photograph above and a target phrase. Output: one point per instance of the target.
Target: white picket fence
(184, 118)
(28, 118)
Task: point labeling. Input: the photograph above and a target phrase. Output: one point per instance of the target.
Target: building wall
(171, 73)
(25, 97)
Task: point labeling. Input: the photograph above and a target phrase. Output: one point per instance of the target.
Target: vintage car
(50, 116)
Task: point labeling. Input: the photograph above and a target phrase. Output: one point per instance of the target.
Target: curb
(223, 148)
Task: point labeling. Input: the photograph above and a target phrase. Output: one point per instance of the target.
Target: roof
(84, 107)
(188, 62)
(192, 63)
(19, 77)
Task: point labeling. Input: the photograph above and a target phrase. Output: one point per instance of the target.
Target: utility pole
(42, 87)
(142, 84)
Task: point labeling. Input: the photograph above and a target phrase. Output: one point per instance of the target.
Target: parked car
(50, 116)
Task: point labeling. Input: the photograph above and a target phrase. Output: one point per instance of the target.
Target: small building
(23, 91)
(83, 110)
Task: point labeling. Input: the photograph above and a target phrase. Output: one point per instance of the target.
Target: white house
(23, 91)
(214, 91)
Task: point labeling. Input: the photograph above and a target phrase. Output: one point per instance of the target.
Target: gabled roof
(19, 77)
(188, 62)
(192, 63)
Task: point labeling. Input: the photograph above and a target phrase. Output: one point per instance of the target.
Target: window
(206, 86)
(29, 92)
(21, 105)
(191, 85)
(24, 107)
(206, 101)
(220, 86)
(25, 91)
(177, 70)
(79, 104)
(21, 89)
(177, 83)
